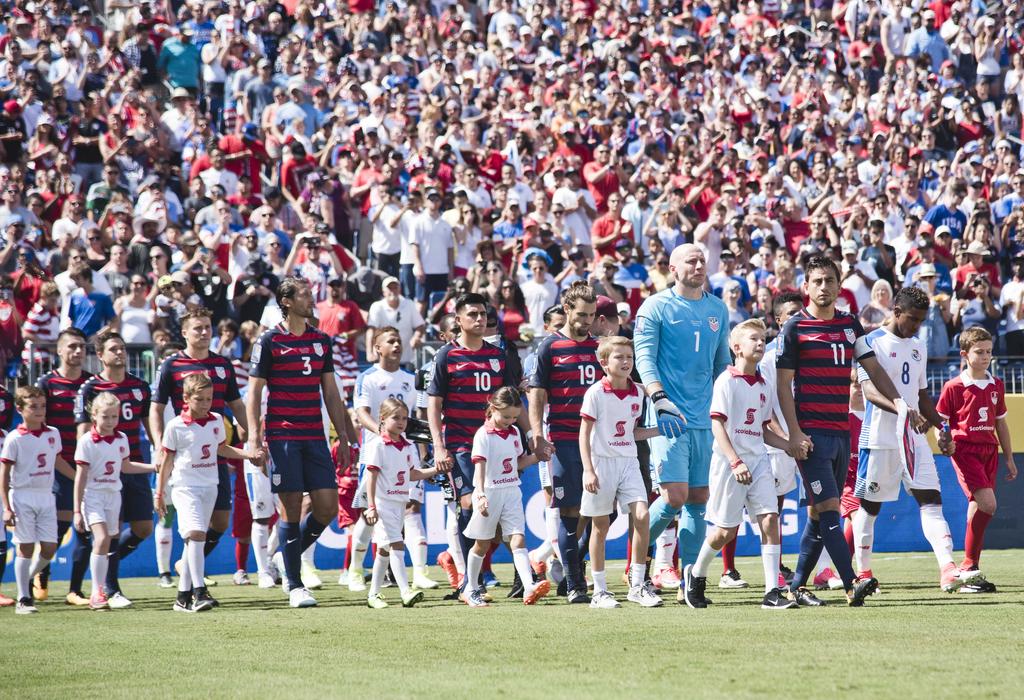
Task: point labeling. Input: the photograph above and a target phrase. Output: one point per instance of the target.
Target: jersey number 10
(482, 380)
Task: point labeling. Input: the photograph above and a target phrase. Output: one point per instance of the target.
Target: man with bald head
(681, 341)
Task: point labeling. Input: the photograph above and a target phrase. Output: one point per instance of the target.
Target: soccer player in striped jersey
(61, 386)
(197, 330)
(466, 371)
(682, 345)
(566, 367)
(293, 362)
(136, 495)
(817, 348)
(880, 468)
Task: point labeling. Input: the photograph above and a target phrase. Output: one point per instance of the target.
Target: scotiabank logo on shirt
(506, 466)
(620, 428)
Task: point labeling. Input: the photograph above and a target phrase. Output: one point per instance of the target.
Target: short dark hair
(71, 333)
(469, 300)
(550, 312)
(287, 289)
(911, 298)
(783, 298)
(105, 337)
(821, 262)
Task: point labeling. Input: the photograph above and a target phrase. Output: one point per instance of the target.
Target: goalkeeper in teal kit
(682, 344)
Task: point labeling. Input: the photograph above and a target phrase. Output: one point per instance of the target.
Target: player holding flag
(682, 345)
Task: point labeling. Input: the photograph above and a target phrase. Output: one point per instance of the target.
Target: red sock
(348, 552)
(975, 538)
(487, 557)
(848, 534)
(729, 556)
(241, 555)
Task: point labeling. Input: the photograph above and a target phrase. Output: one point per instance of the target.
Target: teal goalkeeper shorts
(683, 460)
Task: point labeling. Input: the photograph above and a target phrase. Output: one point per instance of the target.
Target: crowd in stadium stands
(162, 155)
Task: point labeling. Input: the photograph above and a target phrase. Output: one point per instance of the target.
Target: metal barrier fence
(40, 359)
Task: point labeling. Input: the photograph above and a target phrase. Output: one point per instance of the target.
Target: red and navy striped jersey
(465, 379)
(292, 366)
(566, 368)
(61, 394)
(821, 354)
(6, 408)
(170, 380)
(134, 395)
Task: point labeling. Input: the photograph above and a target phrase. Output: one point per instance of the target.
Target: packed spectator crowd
(159, 155)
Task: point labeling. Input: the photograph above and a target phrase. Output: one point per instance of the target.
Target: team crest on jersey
(277, 479)
(634, 410)
(515, 444)
(405, 386)
(559, 492)
(216, 431)
(51, 441)
(220, 372)
(318, 348)
(137, 393)
(713, 323)
(816, 487)
(915, 355)
(873, 487)
(495, 365)
(851, 337)
(995, 398)
(5, 313)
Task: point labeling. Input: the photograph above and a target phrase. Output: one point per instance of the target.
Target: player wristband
(658, 395)
(736, 463)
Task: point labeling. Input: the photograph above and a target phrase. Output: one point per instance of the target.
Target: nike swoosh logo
(677, 322)
(287, 542)
(834, 527)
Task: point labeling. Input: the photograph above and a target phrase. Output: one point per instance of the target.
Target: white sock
(399, 572)
(184, 576)
(863, 539)
(415, 542)
(307, 556)
(521, 558)
(600, 581)
(936, 531)
(543, 551)
(770, 554)
(260, 533)
(451, 533)
(164, 540)
(474, 562)
(273, 541)
(361, 535)
(707, 553)
(22, 574)
(39, 562)
(665, 547)
(196, 562)
(552, 517)
(636, 575)
(380, 565)
(824, 560)
(98, 568)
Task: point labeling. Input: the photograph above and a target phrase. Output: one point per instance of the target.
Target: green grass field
(909, 641)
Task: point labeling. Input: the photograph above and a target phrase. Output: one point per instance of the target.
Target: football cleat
(412, 597)
(950, 580)
(183, 603)
(118, 601)
(25, 607)
(423, 582)
(693, 589)
(803, 597)
(665, 578)
(76, 599)
(356, 580)
(644, 596)
(538, 591)
(376, 602)
(265, 581)
(517, 590)
(490, 580)
(300, 598)
(826, 580)
(241, 578)
(202, 600)
(604, 600)
(557, 571)
(732, 579)
(475, 598)
(775, 600)
(310, 578)
(98, 600)
(41, 585)
(786, 573)
(165, 581)
(862, 588)
(578, 598)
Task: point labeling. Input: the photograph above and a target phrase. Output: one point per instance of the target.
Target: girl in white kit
(101, 455)
(499, 453)
(392, 464)
(192, 442)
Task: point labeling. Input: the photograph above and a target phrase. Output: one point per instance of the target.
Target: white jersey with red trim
(614, 413)
(741, 401)
(499, 451)
(101, 456)
(393, 460)
(194, 444)
(33, 454)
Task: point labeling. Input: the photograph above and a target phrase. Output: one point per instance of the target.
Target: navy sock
(291, 549)
(835, 543)
(3, 554)
(79, 561)
(810, 549)
(311, 531)
(128, 543)
(212, 538)
(568, 546)
(113, 568)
